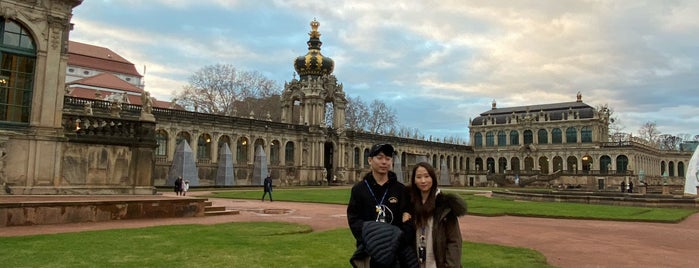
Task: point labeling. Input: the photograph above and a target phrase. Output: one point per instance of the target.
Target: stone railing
(107, 130)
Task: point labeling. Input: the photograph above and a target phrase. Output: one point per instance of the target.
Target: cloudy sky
(437, 63)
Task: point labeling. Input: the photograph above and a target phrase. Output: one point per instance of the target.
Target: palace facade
(74, 119)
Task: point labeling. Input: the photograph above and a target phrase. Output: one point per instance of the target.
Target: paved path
(565, 243)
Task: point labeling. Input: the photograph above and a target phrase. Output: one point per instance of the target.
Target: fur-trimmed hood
(449, 203)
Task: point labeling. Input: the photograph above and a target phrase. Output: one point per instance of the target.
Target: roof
(555, 111)
(107, 80)
(90, 93)
(100, 58)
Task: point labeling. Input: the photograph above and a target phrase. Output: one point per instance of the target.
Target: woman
(438, 236)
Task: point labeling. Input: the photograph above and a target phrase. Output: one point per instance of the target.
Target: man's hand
(406, 216)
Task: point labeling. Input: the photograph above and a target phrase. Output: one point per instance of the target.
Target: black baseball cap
(384, 148)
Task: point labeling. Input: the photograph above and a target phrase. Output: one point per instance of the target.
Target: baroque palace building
(76, 119)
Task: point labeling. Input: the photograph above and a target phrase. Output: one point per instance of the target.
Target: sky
(438, 64)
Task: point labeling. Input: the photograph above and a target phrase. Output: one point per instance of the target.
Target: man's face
(381, 163)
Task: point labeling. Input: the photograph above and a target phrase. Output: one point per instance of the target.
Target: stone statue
(87, 108)
(146, 102)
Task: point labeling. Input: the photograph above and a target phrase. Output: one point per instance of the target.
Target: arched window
(528, 137)
(357, 156)
(543, 136)
(289, 154)
(161, 139)
(224, 140)
(571, 135)
(515, 164)
(622, 163)
(489, 139)
(204, 147)
(605, 164)
(366, 157)
(184, 136)
(17, 64)
(502, 138)
(671, 169)
(491, 165)
(479, 164)
(274, 152)
(502, 165)
(241, 151)
(557, 163)
(514, 137)
(572, 164)
(478, 140)
(528, 163)
(586, 134)
(556, 136)
(544, 165)
(680, 169)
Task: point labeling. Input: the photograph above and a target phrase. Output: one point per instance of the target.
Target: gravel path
(565, 243)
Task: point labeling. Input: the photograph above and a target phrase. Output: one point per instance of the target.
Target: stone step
(208, 203)
(219, 213)
(208, 208)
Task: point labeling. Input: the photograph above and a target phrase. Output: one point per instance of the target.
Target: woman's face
(423, 180)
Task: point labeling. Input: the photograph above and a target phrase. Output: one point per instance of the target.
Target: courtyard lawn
(484, 206)
(248, 244)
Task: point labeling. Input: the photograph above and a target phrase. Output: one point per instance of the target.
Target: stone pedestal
(666, 189)
(642, 189)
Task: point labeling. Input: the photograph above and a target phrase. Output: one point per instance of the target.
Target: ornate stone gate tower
(305, 102)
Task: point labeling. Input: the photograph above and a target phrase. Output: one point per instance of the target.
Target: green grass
(248, 244)
(480, 205)
(484, 206)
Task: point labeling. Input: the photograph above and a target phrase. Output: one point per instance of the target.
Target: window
(528, 137)
(571, 135)
(357, 156)
(161, 139)
(71, 70)
(586, 134)
(543, 136)
(128, 79)
(86, 72)
(17, 63)
(478, 140)
(502, 138)
(556, 136)
(489, 139)
(289, 153)
(514, 137)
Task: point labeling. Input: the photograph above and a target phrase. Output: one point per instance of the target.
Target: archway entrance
(328, 161)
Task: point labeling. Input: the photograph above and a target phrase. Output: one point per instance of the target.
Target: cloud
(450, 58)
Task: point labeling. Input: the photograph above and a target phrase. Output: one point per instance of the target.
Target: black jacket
(364, 198)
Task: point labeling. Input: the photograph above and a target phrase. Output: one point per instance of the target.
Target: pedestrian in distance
(378, 215)
(435, 214)
(185, 187)
(178, 185)
(623, 186)
(267, 184)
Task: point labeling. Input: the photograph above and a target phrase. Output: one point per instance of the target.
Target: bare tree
(669, 142)
(223, 89)
(649, 131)
(382, 117)
(356, 114)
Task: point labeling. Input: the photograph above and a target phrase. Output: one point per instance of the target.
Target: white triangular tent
(692, 174)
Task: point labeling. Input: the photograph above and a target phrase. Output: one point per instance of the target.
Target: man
(268, 188)
(379, 197)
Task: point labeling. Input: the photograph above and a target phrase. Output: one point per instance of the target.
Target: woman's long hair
(423, 211)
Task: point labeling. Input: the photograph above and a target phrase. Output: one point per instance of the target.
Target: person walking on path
(185, 187)
(378, 216)
(178, 185)
(268, 188)
(435, 214)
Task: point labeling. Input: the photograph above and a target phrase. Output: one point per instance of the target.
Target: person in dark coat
(623, 186)
(179, 183)
(376, 202)
(630, 187)
(435, 214)
(268, 188)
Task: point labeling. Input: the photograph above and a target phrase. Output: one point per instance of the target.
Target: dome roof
(313, 63)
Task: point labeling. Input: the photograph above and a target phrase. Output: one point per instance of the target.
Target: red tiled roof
(107, 80)
(100, 58)
(89, 93)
